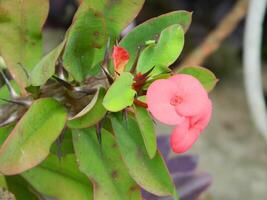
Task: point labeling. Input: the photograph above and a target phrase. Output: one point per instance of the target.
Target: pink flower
(180, 100)
(121, 58)
(186, 133)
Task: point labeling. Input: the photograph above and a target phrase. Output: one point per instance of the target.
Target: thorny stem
(11, 90)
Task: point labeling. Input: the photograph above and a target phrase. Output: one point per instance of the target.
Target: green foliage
(94, 23)
(205, 76)
(20, 188)
(120, 94)
(147, 130)
(83, 39)
(107, 172)
(117, 14)
(151, 29)
(165, 51)
(103, 151)
(20, 35)
(91, 114)
(60, 179)
(46, 67)
(151, 174)
(2, 63)
(4, 132)
(3, 182)
(29, 142)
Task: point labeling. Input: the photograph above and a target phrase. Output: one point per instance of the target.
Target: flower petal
(159, 95)
(201, 121)
(182, 137)
(192, 92)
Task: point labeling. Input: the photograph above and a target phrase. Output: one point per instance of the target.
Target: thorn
(18, 102)
(87, 91)
(64, 83)
(99, 135)
(133, 69)
(11, 90)
(13, 117)
(105, 63)
(125, 117)
(149, 71)
(59, 148)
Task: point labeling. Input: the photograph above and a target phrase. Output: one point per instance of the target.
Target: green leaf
(120, 95)
(117, 14)
(4, 132)
(20, 188)
(60, 179)
(151, 29)
(147, 130)
(150, 174)
(20, 35)
(46, 67)
(94, 23)
(3, 182)
(105, 168)
(86, 34)
(91, 114)
(2, 63)
(164, 52)
(154, 78)
(205, 76)
(30, 141)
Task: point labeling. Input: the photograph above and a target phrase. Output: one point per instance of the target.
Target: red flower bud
(121, 58)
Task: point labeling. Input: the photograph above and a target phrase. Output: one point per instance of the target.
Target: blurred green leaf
(117, 14)
(4, 132)
(20, 188)
(164, 52)
(94, 23)
(151, 29)
(2, 63)
(29, 142)
(91, 114)
(87, 33)
(150, 174)
(60, 179)
(20, 35)
(46, 67)
(147, 130)
(205, 76)
(120, 95)
(3, 182)
(105, 168)
(154, 78)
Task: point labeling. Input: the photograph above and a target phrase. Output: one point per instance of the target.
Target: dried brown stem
(216, 37)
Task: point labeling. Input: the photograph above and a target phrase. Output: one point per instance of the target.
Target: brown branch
(216, 37)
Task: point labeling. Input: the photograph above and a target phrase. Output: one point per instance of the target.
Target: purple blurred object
(189, 183)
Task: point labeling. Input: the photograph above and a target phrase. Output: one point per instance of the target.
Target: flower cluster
(182, 101)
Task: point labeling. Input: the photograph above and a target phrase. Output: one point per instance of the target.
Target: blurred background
(231, 150)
